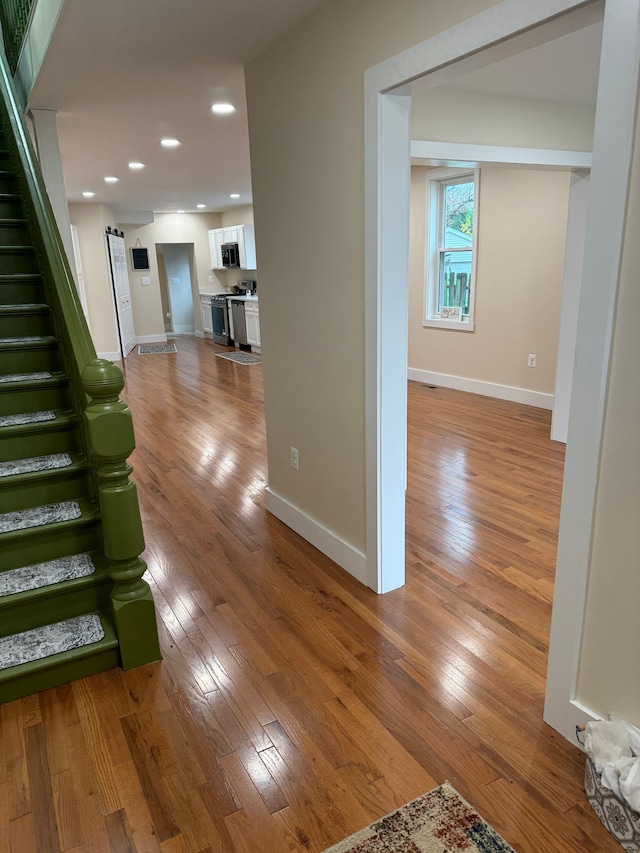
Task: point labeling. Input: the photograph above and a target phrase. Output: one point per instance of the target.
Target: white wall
(306, 126)
(171, 228)
(453, 115)
(91, 221)
(522, 222)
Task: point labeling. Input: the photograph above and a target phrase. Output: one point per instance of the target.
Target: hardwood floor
(294, 706)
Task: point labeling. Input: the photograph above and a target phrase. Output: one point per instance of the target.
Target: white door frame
(500, 30)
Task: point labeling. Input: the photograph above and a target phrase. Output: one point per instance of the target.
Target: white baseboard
(151, 339)
(346, 556)
(111, 356)
(486, 389)
(200, 334)
(565, 720)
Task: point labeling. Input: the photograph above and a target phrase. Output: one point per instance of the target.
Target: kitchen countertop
(230, 296)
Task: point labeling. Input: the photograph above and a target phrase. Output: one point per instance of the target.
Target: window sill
(457, 325)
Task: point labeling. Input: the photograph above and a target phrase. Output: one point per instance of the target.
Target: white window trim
(432, 245)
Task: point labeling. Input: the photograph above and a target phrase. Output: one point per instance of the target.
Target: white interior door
(122, 293)
(79, 277)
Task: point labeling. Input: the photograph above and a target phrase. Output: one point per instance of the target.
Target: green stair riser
(16, 292)
(30, 490)
(39, 442)
(49, 542)
(67, 667)
(10, 208)
(18, 262)
(15, 401)
(14, 234)
(8, 181)
(54, 604)
(29, 359)
(15, 325)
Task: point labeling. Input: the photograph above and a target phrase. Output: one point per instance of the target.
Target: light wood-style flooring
(293, 705)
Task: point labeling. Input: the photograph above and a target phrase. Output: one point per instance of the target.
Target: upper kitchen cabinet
(244, 236)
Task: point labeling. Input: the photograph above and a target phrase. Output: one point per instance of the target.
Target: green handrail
(54, 255)
(14, 17)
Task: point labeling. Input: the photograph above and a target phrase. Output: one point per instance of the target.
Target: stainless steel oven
(220, 320)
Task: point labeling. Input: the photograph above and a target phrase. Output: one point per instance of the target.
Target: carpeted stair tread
(35, 463)
(25, 377)
(24, 307)
(44, 574)
(26, 339)
(26, 418)
(50, 640)
(39, 516)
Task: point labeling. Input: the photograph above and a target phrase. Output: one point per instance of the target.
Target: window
(451, 248)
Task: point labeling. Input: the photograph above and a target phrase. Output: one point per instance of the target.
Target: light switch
(175, 280)
(145, 279)
(211, 279)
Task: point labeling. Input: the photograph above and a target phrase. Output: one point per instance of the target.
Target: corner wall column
(48, 149)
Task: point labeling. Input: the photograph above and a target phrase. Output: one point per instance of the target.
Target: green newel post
(110, 433)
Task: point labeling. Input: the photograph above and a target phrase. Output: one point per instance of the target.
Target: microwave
(230, 256)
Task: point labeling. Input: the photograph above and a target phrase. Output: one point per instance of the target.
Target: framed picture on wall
(139, 258)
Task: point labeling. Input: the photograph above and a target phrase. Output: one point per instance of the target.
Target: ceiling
(122, 75)
(122, 80)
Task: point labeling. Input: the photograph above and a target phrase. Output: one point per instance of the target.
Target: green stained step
(27, 678)
(18, 259)
(53, 590)
(21, 547)
(29, 353)
(15, 231)
(25, 288)
(32, 394)
(39, 432)
(25, 319)
(21, 489)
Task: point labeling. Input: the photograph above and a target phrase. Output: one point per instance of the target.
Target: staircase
(72, 598)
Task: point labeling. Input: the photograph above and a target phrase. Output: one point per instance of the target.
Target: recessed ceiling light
(170, 143)
(88, 194)
(136, 165)
(234, 195)
(201, 206)
(111, 180)
(223, 109)
(181, 211)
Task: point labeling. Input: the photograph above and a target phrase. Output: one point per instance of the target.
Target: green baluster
(110, 435)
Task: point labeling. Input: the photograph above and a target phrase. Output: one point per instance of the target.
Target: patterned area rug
(153, 349)
(437, 822)
(240, 357)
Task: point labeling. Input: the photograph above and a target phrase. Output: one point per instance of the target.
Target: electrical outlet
(294, 457)
(146, 279)
(532, 360)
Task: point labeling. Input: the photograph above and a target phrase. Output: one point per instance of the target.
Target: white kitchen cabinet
(243, 235)
(247, 247)
(207, 323)
(252, 320)
(216, 239)
(230, 235)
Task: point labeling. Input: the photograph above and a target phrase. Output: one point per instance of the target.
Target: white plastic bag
(606, 741)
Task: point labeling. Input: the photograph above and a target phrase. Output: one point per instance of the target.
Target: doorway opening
(177, 283)
(387, 116)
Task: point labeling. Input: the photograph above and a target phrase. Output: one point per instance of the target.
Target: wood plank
(67, 814)
(293, 706)
(42, 806)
